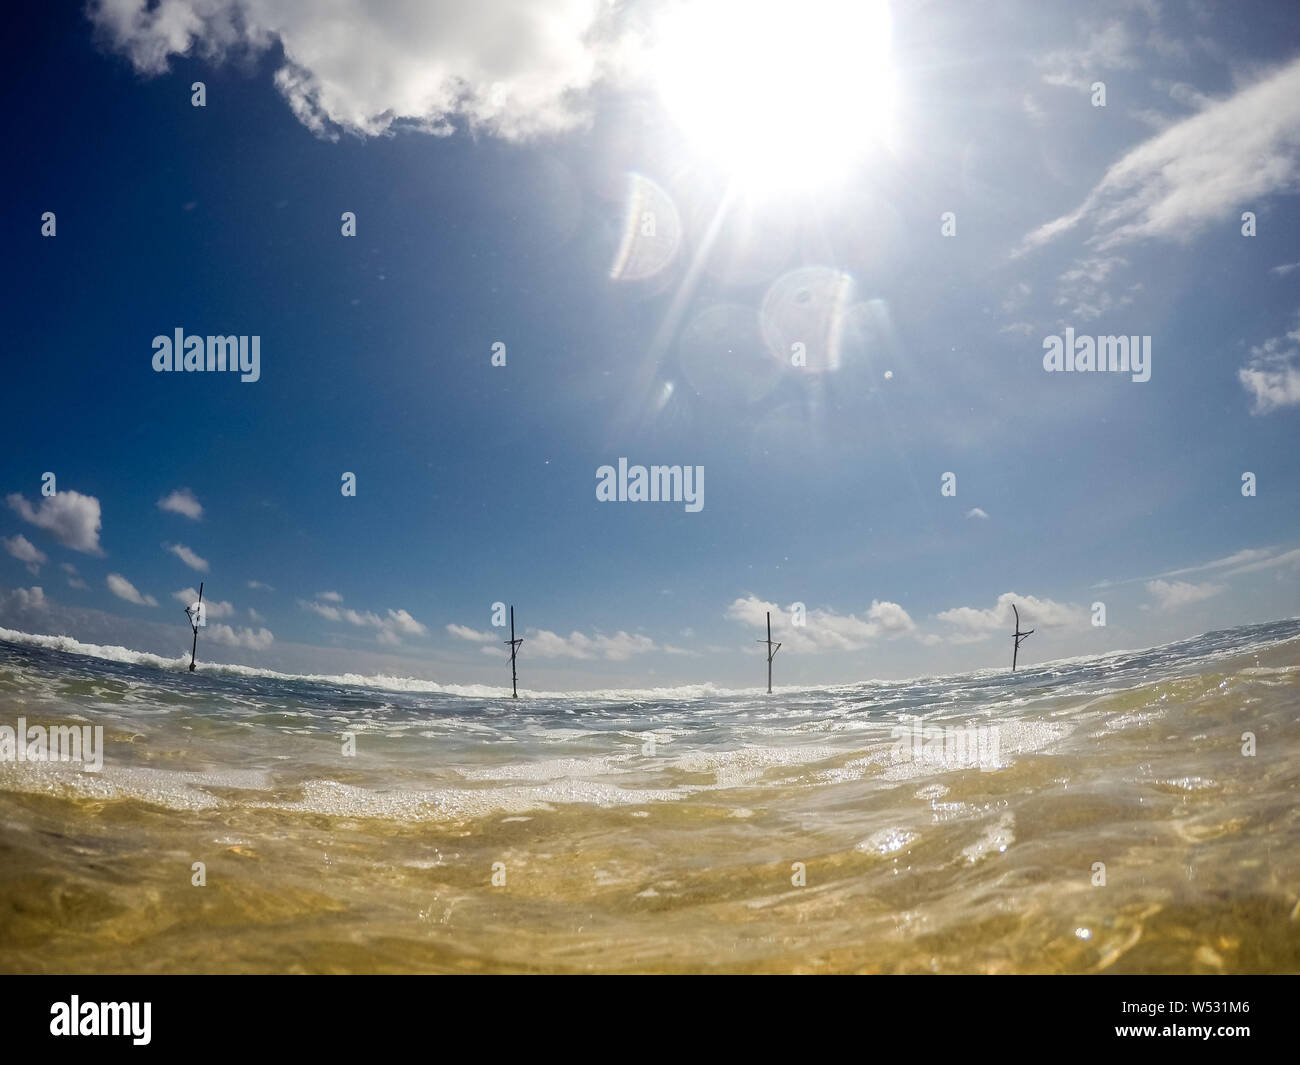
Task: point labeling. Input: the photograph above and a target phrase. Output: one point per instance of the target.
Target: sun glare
(785, 95)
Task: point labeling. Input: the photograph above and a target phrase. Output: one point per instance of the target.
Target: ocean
(1134, 812)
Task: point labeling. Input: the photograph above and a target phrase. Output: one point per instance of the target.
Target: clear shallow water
(619, 855)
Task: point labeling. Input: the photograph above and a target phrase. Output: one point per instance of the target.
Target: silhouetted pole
(194, 623)
(1019, 637)
(771, 651)
(514, 650)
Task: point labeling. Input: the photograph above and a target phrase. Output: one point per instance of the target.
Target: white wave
(691, 692)
(384, 681)
(75, 647)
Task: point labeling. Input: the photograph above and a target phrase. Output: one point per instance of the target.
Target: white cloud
(1272, 376)
(1169, 595)
(824, 630)
(1180, 92)
(513, 68)
(1247, 560)
(1085, 288)
(25, 551)
(182, 501)
(1275, 387)
(404, 623)
(259, 586)
(71, 518)
(1017, 297)
(330, 597)
(1205, 169)
(976, 512)
(254, 616)
(970, 624)
(74, 578)
(1243, 557)
(542, 643)
(32, 599)
(1286, 558)
(330, 613)
(464, 632)
(1018, 328)
(1282, 269)
(213, 607)
(253, 639)
(124, 589)
(1095, 269)
(1109, 48)
(390, 627)
(188, 557)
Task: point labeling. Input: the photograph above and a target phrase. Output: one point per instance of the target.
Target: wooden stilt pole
(195, 620)
(771, 651)
(1019, 637)
(514, 650)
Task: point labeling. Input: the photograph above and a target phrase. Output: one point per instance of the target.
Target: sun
(784, 95)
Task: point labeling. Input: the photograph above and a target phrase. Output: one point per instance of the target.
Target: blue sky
(490, 158)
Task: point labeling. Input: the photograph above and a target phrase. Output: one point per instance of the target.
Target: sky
(817, 250)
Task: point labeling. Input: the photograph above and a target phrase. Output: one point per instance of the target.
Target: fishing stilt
(514, 650)
(771, 651)
(1019, 637)
(195, 613)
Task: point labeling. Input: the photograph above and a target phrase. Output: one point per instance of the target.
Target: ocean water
(1095, 815)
